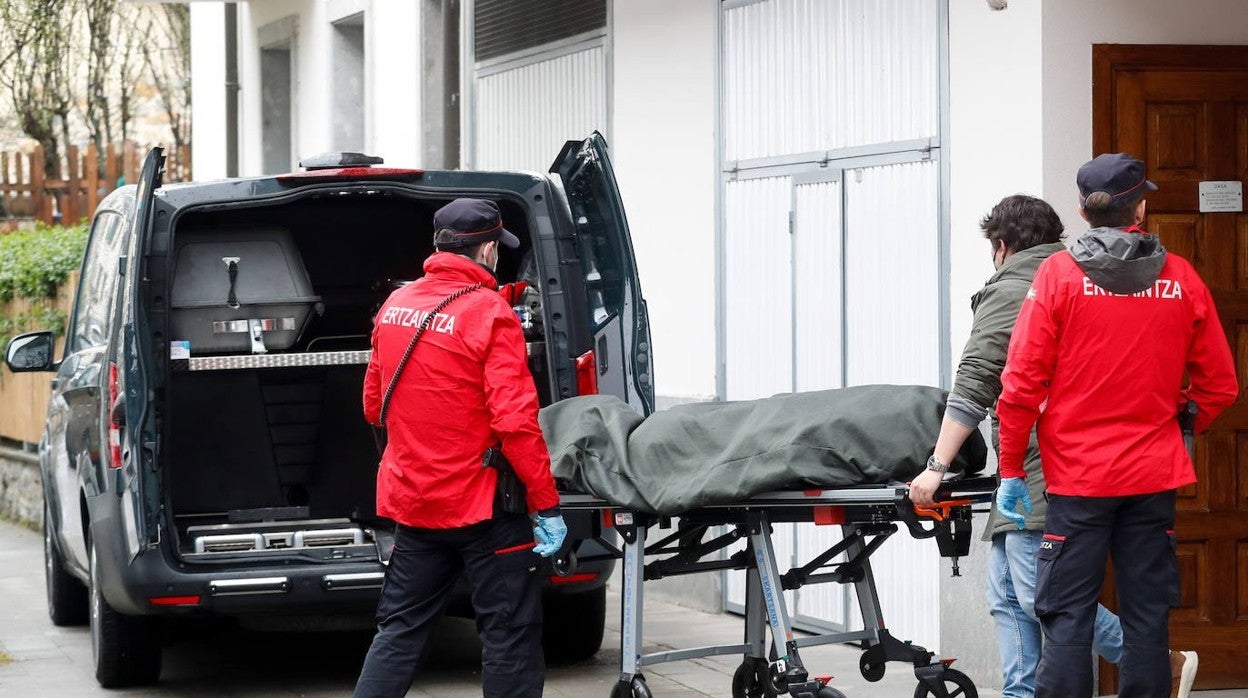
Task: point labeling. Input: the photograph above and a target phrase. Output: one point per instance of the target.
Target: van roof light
(324, 161)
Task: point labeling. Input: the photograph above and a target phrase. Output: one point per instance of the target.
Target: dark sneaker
(1182, 673)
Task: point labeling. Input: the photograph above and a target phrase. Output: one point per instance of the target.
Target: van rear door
(130, 412)
(617, 312)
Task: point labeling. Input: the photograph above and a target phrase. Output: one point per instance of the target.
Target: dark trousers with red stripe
(1081, 533)
(498, 557)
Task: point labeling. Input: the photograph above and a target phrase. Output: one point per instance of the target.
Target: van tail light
(586, 374)
(573, 578)
(114, 420)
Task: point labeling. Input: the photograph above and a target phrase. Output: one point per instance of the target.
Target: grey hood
(1119, 261)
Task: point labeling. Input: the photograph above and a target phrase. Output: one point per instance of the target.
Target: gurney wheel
(872, 665)
(636, 688)
(752, 680)
(957, 685)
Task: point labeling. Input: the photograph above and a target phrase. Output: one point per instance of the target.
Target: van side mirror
(31, 352)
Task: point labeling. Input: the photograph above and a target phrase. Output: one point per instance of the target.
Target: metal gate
(832, 237)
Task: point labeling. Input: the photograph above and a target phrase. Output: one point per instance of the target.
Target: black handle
(1187, 425)
(1187, 418)
(232, 267)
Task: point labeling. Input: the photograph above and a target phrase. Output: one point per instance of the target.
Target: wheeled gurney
(868, 516)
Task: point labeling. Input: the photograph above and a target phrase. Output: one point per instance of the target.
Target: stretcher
(868, 515)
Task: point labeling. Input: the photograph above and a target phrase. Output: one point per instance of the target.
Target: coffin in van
(239, 291)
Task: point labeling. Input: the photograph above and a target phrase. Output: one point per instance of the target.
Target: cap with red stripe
(1116, 174)
(468, 222)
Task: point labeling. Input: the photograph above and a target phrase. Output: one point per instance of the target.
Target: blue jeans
(1012, 598)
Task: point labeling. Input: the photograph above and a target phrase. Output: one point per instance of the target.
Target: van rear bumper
(152, 585)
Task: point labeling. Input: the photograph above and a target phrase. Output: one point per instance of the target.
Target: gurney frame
(867, 515)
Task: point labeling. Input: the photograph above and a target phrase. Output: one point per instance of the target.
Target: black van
(205, 451)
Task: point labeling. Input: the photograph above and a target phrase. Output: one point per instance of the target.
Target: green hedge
(33, 263)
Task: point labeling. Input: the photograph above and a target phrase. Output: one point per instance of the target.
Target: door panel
(818, 316)
(1184, 111)
(758, 288)
(892, 300)
(609, 265)
(608, 357)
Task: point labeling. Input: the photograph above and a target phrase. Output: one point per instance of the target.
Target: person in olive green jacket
(1023, 232)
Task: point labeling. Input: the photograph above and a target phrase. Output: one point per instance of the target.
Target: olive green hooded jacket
(977, 384)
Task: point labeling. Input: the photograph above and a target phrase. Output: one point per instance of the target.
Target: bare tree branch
(167, 56)
(100, 18)
(36, 70)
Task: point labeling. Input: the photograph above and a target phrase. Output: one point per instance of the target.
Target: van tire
(126, 649)
(573, 625)
(67, 597)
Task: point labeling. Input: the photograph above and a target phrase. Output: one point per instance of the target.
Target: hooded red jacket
(1103, 373)
(466, 388)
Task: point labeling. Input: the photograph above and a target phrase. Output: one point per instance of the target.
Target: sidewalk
(218, 659)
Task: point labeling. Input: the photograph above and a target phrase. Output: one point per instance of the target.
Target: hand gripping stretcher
(867, 515)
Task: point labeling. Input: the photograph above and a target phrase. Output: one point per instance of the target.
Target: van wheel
(67, 597)
(573, 625)
(126, 649)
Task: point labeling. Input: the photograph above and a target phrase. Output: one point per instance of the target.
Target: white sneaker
(1182, 673)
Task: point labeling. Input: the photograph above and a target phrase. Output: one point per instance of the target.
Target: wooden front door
(1183, 110)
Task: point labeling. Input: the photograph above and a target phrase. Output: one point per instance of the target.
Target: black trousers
(1080, 534)
(506, 594)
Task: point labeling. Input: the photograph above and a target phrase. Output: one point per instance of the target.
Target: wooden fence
(27, 192)
(24, 396)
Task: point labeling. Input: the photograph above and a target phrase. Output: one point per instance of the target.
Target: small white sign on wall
(1221, 197)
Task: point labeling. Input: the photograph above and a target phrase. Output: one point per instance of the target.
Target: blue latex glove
(1011, 493)
(549, 534)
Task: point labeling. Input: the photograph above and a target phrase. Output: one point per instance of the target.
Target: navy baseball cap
(1116, 174)
(468, 222)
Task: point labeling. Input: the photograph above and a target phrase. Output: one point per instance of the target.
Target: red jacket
(466, 387)
(1104, 374)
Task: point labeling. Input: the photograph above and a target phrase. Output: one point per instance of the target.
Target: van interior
(266, 460)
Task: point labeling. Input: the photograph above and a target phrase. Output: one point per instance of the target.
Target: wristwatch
(934, 463)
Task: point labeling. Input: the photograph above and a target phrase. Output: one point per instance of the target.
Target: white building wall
(208, 115)
(663, 149)
(392, 43)
(1070, 28)
(309, 104)
(392, 77)
(996, 149)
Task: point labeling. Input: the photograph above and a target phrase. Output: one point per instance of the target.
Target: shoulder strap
(385, 400)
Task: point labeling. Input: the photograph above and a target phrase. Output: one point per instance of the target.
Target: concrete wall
(21, 492)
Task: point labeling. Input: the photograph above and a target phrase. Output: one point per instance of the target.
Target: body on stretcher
(868, 515)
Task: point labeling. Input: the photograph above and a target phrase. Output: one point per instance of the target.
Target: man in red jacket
(1098, 355)
(465, 388)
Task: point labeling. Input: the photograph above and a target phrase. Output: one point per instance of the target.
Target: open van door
(129, 406)
(621, 353)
